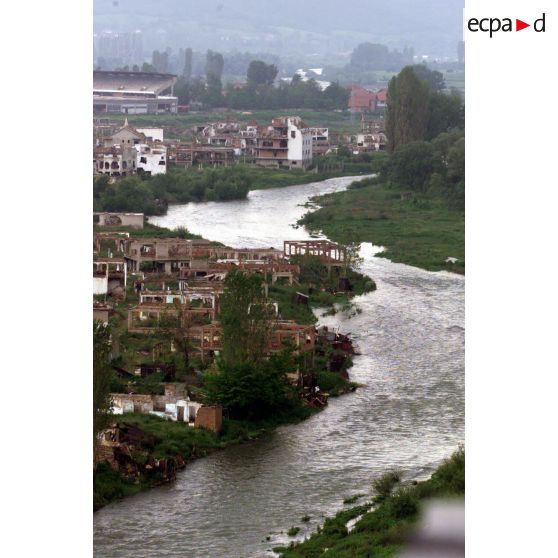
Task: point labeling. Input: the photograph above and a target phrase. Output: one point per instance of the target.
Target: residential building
(197, 155)
(361, 99)
(381, 98)
(320, 141)
(126, 136)
(151, 159)
(286, 143)
(117, 161)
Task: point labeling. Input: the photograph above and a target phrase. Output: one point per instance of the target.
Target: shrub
(385, 484)
(403, 504)
(293, 531)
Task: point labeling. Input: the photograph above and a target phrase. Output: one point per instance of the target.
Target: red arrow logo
(519, 25)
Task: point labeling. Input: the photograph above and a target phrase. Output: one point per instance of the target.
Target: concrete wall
(152, 134)
(152, 160)
(100, 285)
(300, 146)
(101, 315)
(134, 220)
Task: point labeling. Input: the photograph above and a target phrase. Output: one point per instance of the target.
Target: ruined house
(330, 253)
(117, 161)
(112, 219)
(167, 255)
(109, 277)
(286, 143)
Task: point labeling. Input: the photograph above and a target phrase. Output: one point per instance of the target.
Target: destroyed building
(285, 143)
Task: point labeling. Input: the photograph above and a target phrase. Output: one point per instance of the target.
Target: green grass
(263, 179)
(353, 499)
(381, 532)
(320, 297)
(180, 123)
(421, 231)
(455, 79)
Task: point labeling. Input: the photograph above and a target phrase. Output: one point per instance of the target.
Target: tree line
(418, 109)
(152, 194)
(259, 91)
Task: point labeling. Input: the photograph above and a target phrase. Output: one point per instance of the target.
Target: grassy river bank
(418, 230)
(384, 522)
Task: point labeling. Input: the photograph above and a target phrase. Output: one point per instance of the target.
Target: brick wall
(210, 418)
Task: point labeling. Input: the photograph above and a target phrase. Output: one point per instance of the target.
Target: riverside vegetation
(386, 520)
(414, 207)
(153, 194)
(254, 390)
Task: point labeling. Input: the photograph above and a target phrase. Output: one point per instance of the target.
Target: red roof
(381, 95)
(361, 98)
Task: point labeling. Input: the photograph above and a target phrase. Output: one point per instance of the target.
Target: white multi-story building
(286, 143)
(152, 158)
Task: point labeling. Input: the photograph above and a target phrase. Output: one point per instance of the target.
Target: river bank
(380, 526)
(152, 195)
(161, 447)
(416, 229)
(410, 332)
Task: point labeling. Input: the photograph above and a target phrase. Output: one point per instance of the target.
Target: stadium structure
(133, 92)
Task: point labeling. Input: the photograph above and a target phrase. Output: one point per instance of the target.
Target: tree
(353, 259)
(371, 56)
(149, 68)
(214, 64)
(260, 73)
(336, 96)
(102, 378)
(408, 109)
(187, 70)
(411, 166)
(213, 93)
(456, 175)
(433, 79)
(246, 319)
(253, 391)
(176, 327)
(445, 112)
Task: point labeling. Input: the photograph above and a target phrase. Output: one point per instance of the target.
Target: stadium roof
(132, 81)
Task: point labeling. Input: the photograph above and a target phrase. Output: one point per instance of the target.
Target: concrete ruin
(110, 219)
(175, 404)
(110, 277)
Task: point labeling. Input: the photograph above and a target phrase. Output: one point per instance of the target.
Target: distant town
(287, 142)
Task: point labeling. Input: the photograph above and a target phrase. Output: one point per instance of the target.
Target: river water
(409, 414)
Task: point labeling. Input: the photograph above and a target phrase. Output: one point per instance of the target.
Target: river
(409, 414)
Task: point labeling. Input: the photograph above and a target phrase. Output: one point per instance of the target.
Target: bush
(403, 504)
(330, 382)
(293, 531)
(385, 484)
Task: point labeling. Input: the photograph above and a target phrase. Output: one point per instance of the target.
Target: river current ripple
(409, 414)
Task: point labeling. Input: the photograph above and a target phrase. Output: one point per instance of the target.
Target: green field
(335, 121)
(455, 79)
(420, 231)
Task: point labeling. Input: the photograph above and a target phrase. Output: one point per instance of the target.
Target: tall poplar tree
(408, 109)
